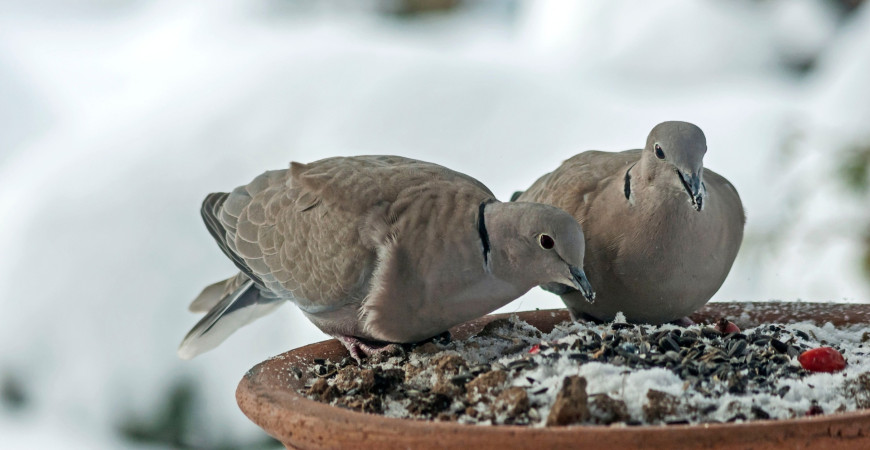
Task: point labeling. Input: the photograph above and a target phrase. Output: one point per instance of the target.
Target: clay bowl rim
(285, 406)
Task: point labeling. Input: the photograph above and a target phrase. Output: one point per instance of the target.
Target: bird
(661, 231)
(378, 250)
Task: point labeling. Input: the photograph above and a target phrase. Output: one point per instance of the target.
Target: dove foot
(359, 348)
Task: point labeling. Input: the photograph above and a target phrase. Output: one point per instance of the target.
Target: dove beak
(694, 187)
(582, 283)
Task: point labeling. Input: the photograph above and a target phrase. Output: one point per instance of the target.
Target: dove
(378, 250)
(661, 230)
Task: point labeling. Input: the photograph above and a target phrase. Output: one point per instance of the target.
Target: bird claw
(360, 349)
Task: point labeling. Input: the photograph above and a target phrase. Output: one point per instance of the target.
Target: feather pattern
(314, 233)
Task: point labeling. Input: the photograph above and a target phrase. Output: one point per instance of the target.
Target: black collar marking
(628, 182)
(481, 230)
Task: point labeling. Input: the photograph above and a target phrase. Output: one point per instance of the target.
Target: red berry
(725, 326)
(822, 359)
(535, 349)
(814, 410)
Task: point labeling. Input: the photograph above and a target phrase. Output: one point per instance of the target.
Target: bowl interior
(268, 395)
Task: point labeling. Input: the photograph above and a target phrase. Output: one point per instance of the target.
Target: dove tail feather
(209, 297)
(232, 312)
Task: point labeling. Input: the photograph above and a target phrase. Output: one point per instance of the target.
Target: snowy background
(118, 117)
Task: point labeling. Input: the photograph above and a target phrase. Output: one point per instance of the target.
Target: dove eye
(659, 153)
(546, 242)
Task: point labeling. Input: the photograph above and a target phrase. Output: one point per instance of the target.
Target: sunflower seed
(667, 343)
(711, 333)
(778, 345)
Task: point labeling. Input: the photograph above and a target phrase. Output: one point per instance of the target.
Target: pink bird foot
(359, 348)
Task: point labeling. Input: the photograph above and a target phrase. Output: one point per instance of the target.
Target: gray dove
(661, 231)
(377, 250)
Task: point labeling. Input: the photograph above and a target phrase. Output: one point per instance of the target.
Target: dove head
(676, 149)
(534, 244)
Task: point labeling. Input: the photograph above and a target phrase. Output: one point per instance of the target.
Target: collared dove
(661, 231)
(378, 249)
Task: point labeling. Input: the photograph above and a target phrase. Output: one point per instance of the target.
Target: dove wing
(574, 183)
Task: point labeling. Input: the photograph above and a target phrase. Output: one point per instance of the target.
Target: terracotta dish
(267, 395)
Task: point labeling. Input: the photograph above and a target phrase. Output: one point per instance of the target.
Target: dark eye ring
(546, 242)
(659, 153)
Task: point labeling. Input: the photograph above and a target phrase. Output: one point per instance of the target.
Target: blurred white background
(118, 117)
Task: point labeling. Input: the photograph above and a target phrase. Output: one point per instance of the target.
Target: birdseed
(616, 373)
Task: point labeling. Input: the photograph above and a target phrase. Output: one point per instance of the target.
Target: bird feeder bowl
(268, 395)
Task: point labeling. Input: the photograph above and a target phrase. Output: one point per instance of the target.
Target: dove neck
(505, 258)
(650, 171)
(483, 232)
(646, 171)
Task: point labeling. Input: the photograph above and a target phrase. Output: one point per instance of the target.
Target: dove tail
(232, 312)
(215, 292)
(516, 195)
(209, 297)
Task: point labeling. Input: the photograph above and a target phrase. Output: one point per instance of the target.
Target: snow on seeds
(615, 373)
